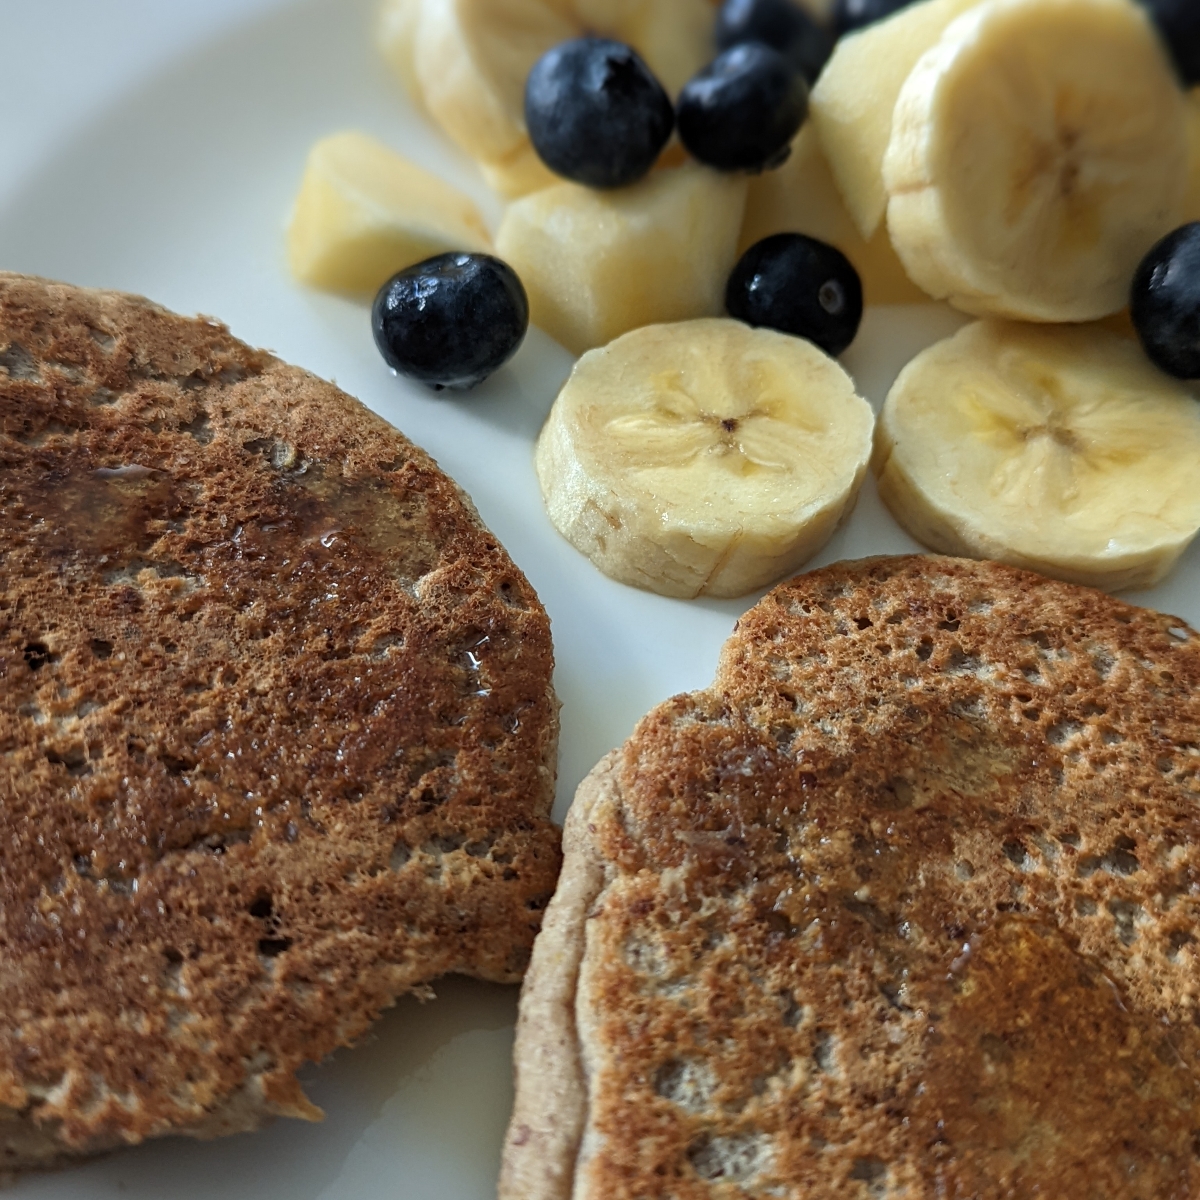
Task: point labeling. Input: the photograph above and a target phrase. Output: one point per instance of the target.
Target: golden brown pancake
(277, 732)
(905, 905)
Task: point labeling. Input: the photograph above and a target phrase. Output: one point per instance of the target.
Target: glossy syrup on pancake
(277, 732)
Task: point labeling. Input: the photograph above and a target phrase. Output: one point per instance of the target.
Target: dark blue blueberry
(1179, 23)
(1165, 303)
(741, 112)
(849, 15)
(595, 113)
(452, 320)
(784, 26)
(800, 286)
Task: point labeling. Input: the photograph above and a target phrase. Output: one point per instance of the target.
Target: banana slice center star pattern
(1075, 148)
(743, 422)
(744, 427)
(1059, 439)
(703, 457)
(1060, 444)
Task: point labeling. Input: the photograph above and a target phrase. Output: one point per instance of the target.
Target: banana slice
(472, 58)
(703, 458)
(801, 197)
(1037, 153)
(363, 213)
(396, 40)
(852, 103)
(1059, 449)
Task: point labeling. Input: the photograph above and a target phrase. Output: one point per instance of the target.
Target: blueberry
(784, 26)
(741, 112)
(1165, 303)
(800, 286)
(451, 320)
(849, 15)
(1179, 23)
(595, 113)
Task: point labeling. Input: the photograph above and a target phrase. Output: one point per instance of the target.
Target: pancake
(905, 905)
(277, 730)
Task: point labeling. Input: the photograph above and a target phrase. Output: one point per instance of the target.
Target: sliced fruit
(852, 103)
(595, 113)
(1059, 449)
(703, 458)
(675, 37)
(396, 39)
(364, 213)
(1037, 153)
(519, 174)
(801, 197)
(1191, 204)
(473, 57)
(596, 264)
(524, 172)
(1119, 323)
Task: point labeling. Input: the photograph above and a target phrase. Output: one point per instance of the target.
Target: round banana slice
(1061, 449)
(1037, 152)
(471, 59)
(704, 457)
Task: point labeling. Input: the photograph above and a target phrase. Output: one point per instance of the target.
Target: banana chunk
(1059, 449)
(519, 174)
(363, 213)
(597, 264)
(1037, 152)
(801, 197)
(675, 37)
(396, 41)
(470, 60)
(852, 103)
(1191, 205)
(703, 458)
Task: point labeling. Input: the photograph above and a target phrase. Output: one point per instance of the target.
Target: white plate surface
(155, 147)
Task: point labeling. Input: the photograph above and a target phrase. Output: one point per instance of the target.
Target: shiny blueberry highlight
(451, 320)
(1165, 303)
(800, 286)
(595, 113)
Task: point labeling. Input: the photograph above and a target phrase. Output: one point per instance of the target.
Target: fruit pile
(1031, 162)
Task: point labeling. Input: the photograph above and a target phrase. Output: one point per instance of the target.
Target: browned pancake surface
(905, 906)
(277, 732)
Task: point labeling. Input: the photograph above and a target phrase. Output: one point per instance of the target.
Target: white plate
(155, 148)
